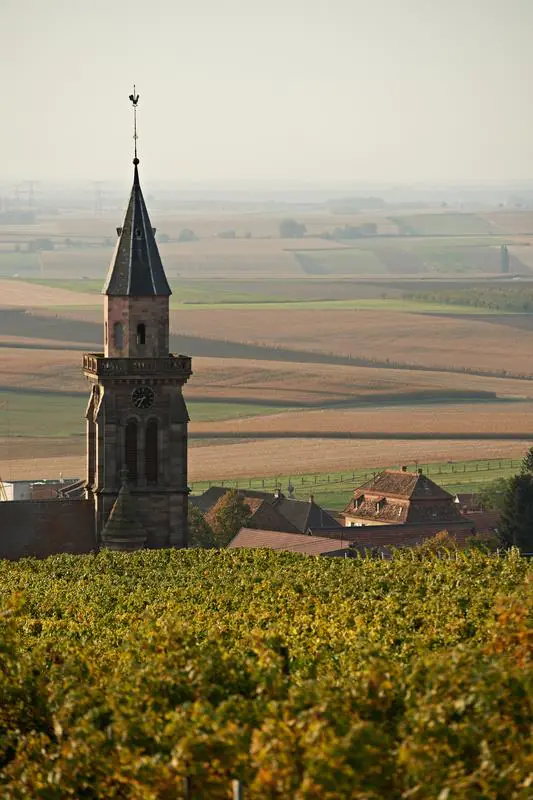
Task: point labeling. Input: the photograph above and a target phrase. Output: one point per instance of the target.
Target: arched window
(118, 335)
(141, 333)
(151, 452)
(130, 450)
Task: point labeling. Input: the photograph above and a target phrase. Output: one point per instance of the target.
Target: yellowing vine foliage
(307, 678)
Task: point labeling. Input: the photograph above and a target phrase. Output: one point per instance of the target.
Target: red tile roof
(293, 542)
(404, 485)
(403, 497)
(370, 536)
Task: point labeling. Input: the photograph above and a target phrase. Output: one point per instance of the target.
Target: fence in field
(443, 473)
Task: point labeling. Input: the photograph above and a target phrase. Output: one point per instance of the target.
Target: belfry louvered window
(130, 450)
(151, 452)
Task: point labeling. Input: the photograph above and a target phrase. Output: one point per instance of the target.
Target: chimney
(404, 468)
(311, 498)
(420, 471)
(277, 494)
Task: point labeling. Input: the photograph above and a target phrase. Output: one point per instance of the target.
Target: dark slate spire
(136, 269)
(123, 529)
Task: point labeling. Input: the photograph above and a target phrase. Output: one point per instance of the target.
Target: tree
(440, 544)
(516, 526)
(527, 461)
(486, 542)
(187, 235)
(227, 517)
(492, 496)
(200, 533)
(290, 229)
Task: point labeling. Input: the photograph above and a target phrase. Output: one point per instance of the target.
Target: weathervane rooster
(134, 100)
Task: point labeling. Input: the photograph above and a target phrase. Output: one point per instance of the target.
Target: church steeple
(136, 268)
(136, 416)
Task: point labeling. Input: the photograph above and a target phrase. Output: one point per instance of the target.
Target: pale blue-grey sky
(277, 90)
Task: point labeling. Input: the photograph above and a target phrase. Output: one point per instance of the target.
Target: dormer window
(380, 504)
(359, 501)
(141, 333)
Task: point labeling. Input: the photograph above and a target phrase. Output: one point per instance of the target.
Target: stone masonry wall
(46, 527)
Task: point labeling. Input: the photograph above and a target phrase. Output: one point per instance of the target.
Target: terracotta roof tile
(293, 542)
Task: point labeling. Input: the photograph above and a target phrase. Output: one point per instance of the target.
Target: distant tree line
(495, 298)
(352, 231)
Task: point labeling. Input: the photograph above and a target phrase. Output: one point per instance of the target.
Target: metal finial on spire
(134, 100)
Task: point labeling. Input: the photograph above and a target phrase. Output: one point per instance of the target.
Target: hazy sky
(277, 90)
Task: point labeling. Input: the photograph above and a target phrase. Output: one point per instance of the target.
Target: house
(399, 497)
(409, 535)
(301, 515)
(292, 542)
(265, 516)
(39, 489)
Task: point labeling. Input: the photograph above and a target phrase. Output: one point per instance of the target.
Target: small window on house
(141, 333)
(118, 335)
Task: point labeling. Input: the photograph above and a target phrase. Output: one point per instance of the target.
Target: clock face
(142, 397)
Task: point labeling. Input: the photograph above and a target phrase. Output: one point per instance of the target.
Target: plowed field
(435, 341)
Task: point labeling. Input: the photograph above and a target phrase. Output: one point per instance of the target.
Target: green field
(18, 263)
(52, 414)
(341, 261)
(333, 490)
(47, 414)
(449, 223)
(364, 304)
(205, 412)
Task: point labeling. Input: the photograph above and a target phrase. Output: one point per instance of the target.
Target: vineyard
(170, 673)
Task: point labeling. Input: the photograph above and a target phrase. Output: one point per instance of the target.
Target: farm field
(56, 414)
(434, 419)
(457, 342)
(446, 342)
(239, 306)
(334, 489)
(64, 295)
(271, 458)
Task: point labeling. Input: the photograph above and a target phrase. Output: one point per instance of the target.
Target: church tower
(136, 416)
